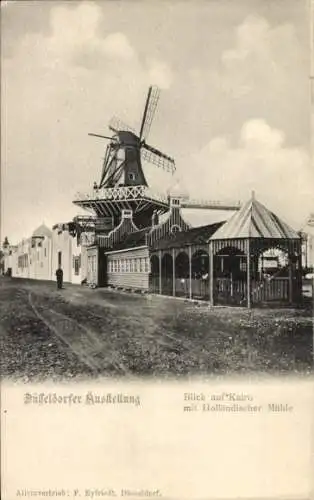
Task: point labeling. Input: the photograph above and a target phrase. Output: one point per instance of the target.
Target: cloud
(259, 70)
(75, 43)
(258, 134)
(260, 160)
(79, 38)
(255, 38)
(117, 45)
(76, 24)
(263, 57)
(251, 36)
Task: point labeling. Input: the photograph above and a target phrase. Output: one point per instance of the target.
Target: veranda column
(248, 274)
(190, 272)
(160, 279)
(211, 274)
(299, 278)
(173, 274)
(290, 280)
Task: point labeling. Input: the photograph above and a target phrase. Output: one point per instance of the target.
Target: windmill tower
(122, 182)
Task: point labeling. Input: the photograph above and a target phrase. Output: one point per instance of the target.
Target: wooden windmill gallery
(136, 239)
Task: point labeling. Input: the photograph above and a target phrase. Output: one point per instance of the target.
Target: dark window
(76, 266)
(132, 176)
(59, 259)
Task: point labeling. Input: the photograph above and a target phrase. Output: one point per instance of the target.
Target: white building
(39, 256)
(67, 254)
(32, 256)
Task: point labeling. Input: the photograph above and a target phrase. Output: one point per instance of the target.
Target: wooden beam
(190, 272)
(211, 274)
(173, 273)
(290, 281)
(248, 273)
(160, 277)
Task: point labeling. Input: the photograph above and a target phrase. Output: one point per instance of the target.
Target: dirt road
(78, 332)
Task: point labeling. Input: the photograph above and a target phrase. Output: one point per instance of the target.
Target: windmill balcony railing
(135, 192)
(120, 193)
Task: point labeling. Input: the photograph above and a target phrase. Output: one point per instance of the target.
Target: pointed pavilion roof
(42, 230)
(254, 220)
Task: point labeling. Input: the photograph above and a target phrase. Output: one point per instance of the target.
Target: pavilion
(254, 258)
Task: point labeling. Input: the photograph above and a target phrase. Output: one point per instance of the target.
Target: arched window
(200, 264)
(182, 265)
(175, 229)
(154, 265)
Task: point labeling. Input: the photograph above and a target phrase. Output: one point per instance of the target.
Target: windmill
(122, 183)
(126, 150)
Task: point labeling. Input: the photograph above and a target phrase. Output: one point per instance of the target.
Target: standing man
(59, 275)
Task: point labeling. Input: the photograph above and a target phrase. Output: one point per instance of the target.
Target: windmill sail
(158, 158)
(113, 168)
(116, 125)
(104, 168)
(149, 112)
(101, 136)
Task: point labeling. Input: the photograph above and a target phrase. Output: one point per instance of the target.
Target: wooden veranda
(226, 263)
(181, 272)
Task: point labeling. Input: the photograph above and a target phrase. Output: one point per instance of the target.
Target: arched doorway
(182, 265)
(166, 274)
(182, 274)
(230, 262)
(154, 274)
(272, 261)
(200, 275)
(230, 276)
(200, 264)
(275, 278)
(154, 265)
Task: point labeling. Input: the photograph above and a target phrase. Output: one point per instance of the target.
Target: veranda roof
(131, 240)
(254, 220)
(195, 235)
